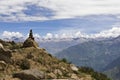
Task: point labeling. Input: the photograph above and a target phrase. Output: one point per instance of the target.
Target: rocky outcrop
(1, 46)
(73, 67)
(3, 65)
(32, 74)
(30, 42)
(5, 54)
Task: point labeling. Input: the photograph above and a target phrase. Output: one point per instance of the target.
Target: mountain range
(113, 69)
(94, 53)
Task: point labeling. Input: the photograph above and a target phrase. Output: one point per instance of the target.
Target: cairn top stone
(31, 34)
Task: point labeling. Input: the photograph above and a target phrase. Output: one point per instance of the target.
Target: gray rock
(73, 67)
(32, 74)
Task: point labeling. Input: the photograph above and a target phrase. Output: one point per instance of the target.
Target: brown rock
(30, 42)
(57, 71)
(74, 76)
(51, 76)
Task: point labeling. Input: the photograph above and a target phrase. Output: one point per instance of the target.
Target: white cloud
(65, 34)
(62, 8)
(70, 33)
(76, 33)
(114, 32)
(49, 36)
(56, 36)
(37, 36)
(7, 34)
(14, 10)
(79, 34)
(11, 35)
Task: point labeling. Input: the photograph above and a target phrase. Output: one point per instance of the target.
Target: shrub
(64, 60)
(25, 64)
(50, 55)
(40, 60)
(29, 56)
(94, 74)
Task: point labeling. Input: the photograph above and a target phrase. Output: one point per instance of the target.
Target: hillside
(44, 65)
(26, 61)
(113, 69)
(95, 54)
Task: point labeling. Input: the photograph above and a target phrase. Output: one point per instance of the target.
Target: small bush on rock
(25, 64)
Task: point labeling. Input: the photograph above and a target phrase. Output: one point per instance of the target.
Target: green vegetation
(25, 64)
(94, 74)
(65, 61)
(113, 69)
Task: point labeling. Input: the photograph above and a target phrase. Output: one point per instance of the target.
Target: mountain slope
(113, 69)
(34, 64)
(30, 63)
(95, 54)
(26, 61)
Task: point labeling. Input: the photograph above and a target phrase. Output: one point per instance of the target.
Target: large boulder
(32, 74)
(73, 67)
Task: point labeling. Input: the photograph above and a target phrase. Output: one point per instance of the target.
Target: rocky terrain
(26, 61)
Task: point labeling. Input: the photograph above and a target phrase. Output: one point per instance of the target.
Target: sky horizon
(52, 18)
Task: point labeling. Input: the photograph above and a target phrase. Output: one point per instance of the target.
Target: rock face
(30, 42)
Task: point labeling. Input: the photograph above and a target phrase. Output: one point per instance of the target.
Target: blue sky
(88, 24)
(64, 17)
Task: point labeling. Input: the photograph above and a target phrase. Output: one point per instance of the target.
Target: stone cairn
(30, 42)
